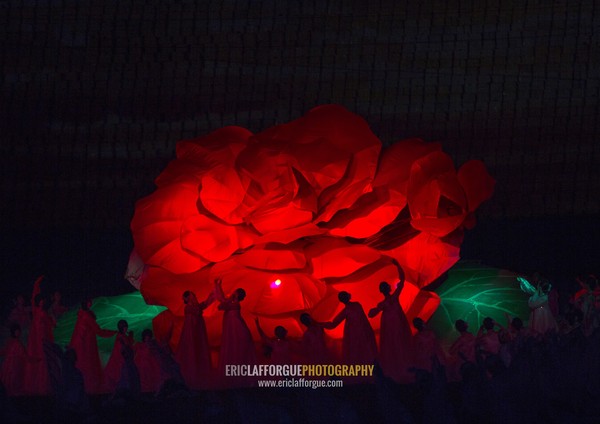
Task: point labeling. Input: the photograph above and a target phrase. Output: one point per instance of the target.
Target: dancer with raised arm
(541, 319)
(193, 351)
(280, 346)
(237, 346)
(37, 379)
(395, 337)
(85, 345)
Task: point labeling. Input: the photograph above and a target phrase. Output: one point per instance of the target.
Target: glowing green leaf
(472, 292)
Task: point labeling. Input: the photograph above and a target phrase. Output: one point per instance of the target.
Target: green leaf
(473, 292)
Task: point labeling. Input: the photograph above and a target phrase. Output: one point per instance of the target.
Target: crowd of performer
(34, 365)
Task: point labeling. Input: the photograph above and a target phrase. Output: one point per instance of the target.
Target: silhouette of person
(12, 371)
(488, 342)
(21, 314)
(462, 350)
(37, 380)
(85, 345)
(395, 337)
(541, 319)
(427, 347)
(314, 347)
(237, 345)
(193, 351)
(122, 347)
(280, 346)
(358, 343)
(57, 309)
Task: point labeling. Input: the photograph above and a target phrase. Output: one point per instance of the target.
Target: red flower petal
(212, 240)
(396, 161)
(223, 193)
(436, 199)
(368, 215)
(156, 228)
(275, 257)
(335, 257)
(477, 183)
(425, 257)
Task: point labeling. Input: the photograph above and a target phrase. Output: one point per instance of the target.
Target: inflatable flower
(299, 212)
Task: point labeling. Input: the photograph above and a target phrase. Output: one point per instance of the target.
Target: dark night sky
(96, 94)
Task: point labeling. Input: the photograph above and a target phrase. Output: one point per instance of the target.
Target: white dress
(541, 318)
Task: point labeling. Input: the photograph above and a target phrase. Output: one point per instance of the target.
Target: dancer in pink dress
(21, 314)
(57, 309)
(395, 350)
(461, 351)
(193, 351)
(85, 345)
(358, 343)
(237, 346)
(463, 348)
(122, 348)
(148, 362)
(428, 350)
(314, 347)
(488, 342)
(280, 346)
(15, 360)
(37, 379)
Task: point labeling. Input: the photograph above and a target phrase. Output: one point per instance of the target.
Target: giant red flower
(314, 205)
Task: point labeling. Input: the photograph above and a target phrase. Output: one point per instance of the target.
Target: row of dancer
(26, 370)
(397, 352)
(359, 346)
(28, 374)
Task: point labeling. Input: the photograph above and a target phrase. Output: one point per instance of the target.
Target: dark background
(95, 94)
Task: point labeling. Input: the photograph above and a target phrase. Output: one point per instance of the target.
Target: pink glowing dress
(193, 351)
(148, 363)
(358, 343)
(83, 341)
(114, 366)
(488, 342)
(281, 349)
(12, 371)
(237, 346)
(426, 346)
(464, 348)
(395, 339)
(21, 314)
(314, 348)
(460, 352)
(37, 379)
